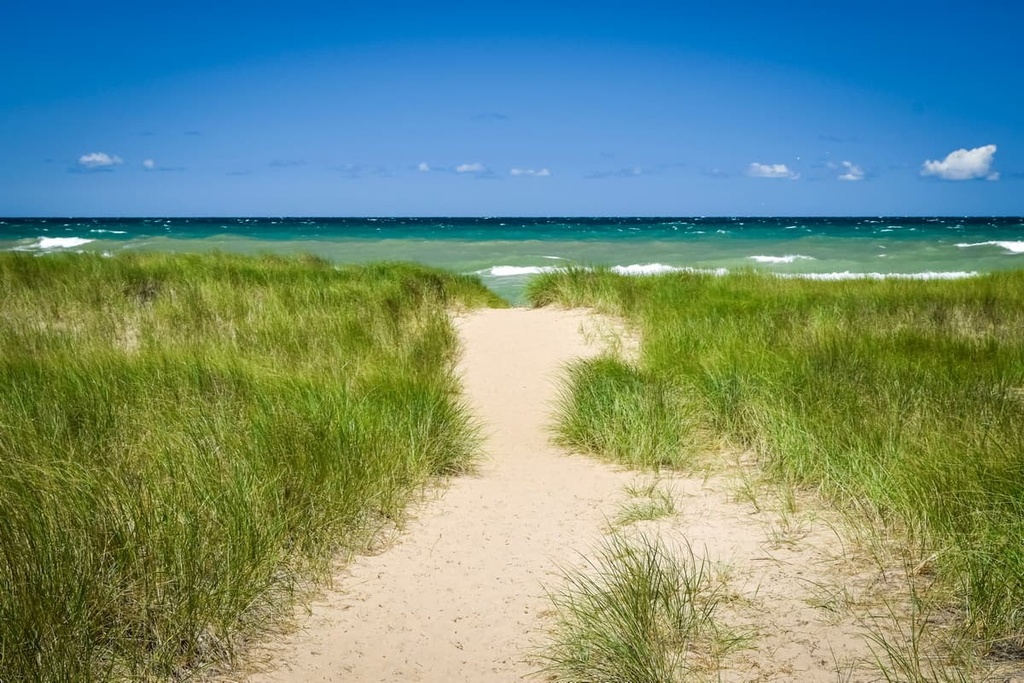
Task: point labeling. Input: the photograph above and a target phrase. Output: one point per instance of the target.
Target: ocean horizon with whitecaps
(506, 252)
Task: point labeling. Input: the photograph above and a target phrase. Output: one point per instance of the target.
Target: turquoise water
(506, 252)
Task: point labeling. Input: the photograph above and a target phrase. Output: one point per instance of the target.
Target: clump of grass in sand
(647, 502)
(905, 397)
(186, 440)
(637, 613)
(614, 409)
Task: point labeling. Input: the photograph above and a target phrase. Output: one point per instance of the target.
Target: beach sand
(460, 594)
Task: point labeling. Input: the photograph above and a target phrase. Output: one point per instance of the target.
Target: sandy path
(457, 597)
(460, 595)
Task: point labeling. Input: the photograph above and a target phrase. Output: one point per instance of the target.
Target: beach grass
(903, 398)
(187, 441)
(615, 409)
(647, 501)
(637, 611)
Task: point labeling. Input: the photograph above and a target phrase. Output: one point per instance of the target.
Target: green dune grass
(640, 612)
(186, 441)
(902, 397)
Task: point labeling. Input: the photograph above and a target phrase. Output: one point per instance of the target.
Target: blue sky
(527, 108)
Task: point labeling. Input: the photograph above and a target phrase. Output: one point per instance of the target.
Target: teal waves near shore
(507, 251)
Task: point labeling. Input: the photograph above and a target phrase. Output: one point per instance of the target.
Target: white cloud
(536, 173)
(99, 160)
(964, 164)
(148, 164)
(756, 170)
(423, 167)
(470, 168)
(852, 171)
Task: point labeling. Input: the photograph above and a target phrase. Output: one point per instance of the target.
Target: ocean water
(506, 252)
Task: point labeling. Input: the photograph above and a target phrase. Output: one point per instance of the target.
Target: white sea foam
(789, 258)
(644, 269)
(847, 275)
(60, 242)
(1012, 247)
(511, 271)
(634, 269)
(112, 232)
(640, 269)
(659, 269)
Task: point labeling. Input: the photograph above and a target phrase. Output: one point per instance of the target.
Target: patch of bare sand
(804, 604)
(460, 594)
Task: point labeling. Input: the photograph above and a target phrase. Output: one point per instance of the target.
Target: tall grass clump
(636, 613)
(902, 397)
(614, 409)
(186, 441)
(581, 287)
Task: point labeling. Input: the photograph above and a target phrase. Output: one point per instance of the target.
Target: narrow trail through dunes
(460, 595)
